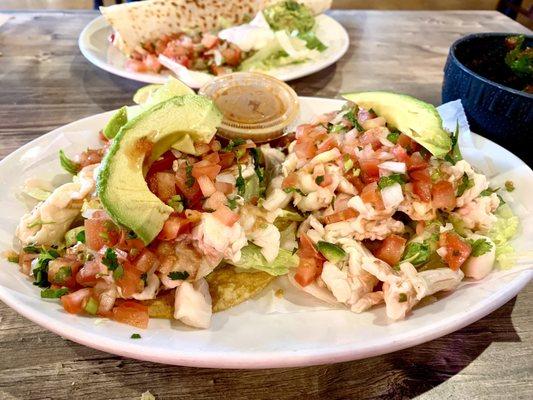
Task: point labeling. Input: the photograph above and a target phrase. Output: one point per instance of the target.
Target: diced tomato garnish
(90, 157)
(100, 232)
(57, 272)
(209, 40)
(226, 160)
(369, 170)
(327, 144)
(205, 168)
(89, 273)
(400, 153)
(226, 216)
(391, 249)
(457, 250)
(152, 63)
(215, 201)
(206, 185)
(416, 162)
(130, 282)
(164, 163)
(145, 261)
(372, 195)
(311, 262)
(172, 227)
(213, 158)
(131, 313)
(404, 141)
(73, 303)
(304, 130)
(370, 137)
(232, 56)
(444, 195)
(421, 184)
(290, 181)
(192, 193)
(339, 216)
(305, 149)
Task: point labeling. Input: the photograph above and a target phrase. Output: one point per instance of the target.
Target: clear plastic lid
(255, 106)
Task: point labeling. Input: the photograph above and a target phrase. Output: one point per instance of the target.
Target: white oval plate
(244, 337)
(95, 46)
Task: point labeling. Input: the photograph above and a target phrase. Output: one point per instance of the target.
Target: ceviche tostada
(217, 38)
(372, 204)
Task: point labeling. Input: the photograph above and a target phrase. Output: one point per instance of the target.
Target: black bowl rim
(475, 74)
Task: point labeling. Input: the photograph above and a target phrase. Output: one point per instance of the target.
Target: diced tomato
(100, 232)
(145, 261)
(339, 216)
(131, 313)
(416, 162)
(370, 137)
(420, 227)
(205, 168)
(73, 303)
(206, 185)
(304, 130)
(421, 184)
(372, 195)
(311, 262)
(369, 170)
(400, 153)
(215, 201)
(209, 40)
(305, 149)
(290, 181)
(457, 250)
(163, 184)
(355, 180)
(224, 187)
(58, 272)
(226, 216)
(193, 192)
(391, 249)
(172, 227)
(213, 158)
(130, 282)
(226, 160)
(127, 244)
(202, 148)
(404, 141)
(25, 262)
(444, 195)
(164, 163)
(327, 144)
(90, 157)
(89, 273)
(232, 56)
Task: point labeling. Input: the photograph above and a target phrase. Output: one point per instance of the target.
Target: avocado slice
(332, 252)
(121, 186)
(415, 118)
(116, 122)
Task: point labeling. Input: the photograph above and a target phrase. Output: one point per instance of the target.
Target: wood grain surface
(45, 82)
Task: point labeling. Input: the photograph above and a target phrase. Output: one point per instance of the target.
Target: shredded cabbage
(251, 258)
(501, 232)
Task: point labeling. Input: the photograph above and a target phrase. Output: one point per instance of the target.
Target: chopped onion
(392, 195)
(393, 166)
(226, 177)
(441, 251)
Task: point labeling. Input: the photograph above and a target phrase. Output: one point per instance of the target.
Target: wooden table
(45, 82)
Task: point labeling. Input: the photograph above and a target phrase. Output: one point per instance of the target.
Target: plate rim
(158, 79)
(264, 359)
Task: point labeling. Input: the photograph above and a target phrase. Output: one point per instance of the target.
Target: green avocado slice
(415, 118)
(332, 252)
(121, 186)
(117, 121)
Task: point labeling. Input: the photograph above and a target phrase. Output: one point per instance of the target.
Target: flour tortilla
(144, 21)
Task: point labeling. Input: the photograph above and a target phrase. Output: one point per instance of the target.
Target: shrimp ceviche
(368, 205)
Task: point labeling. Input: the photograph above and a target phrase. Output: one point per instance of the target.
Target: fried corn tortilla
(227, 287)
(144, 21)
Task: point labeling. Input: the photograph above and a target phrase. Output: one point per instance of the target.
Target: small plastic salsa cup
(254, 106)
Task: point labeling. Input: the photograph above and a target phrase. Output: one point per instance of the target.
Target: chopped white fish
(478, 213)
(267, 237)
(86, 178)
(192, 304)
(479, 182)
(479, 267)
(152, 285)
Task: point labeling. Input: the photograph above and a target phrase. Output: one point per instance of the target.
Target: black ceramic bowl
(495, 110)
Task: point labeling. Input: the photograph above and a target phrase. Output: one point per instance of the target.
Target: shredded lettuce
(251, 258)
(503, 230)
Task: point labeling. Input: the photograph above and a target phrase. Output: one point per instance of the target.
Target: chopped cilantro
(189, 180)
(393, 137)
(351, 116)
(293, 190)
(110, 259)
(319, 179)
(390, 180)
(240, 183)
(40, 272)
(488, 192)
(509, 186)
(233, 143)
(31, 249)
(53, 293)
(232, 203)
(312, 41)
(178, 275)
(80, 236)
(455, 154)
(466, 183)
(479, 247)
(135, 336)
(416, 253)
(176, 203)
(402, 298)
(337, 128)
(63, 274)
(68, 165)
(259, 171)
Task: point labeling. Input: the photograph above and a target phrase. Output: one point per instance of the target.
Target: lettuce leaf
(503, 230)
(251, 258)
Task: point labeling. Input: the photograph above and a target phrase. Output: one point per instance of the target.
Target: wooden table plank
(45, 83)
